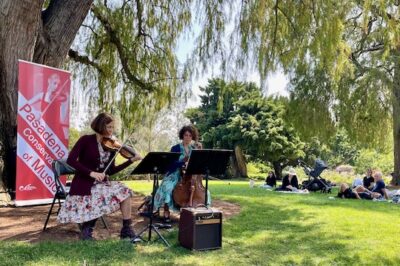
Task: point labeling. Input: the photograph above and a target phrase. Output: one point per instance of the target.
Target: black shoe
(86, 233)
(136, 239)
(128, 233)
(163, 226)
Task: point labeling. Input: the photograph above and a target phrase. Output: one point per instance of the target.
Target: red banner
(43, 130)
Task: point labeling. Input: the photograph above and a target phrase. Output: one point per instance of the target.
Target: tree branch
(90, 28)
(287, 18)
(74, 55)
(373, 48)
(139, 9)
(120, 49)
(60, 24)
(361, 49)
(354, 18)
(276, 25)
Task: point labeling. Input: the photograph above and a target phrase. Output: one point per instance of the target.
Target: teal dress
(166, 188)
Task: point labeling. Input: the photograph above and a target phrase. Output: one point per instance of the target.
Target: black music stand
(155, 163)
(208, 162)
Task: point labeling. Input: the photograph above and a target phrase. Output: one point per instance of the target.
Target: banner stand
(43, 130)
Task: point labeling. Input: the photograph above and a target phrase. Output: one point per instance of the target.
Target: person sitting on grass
(357, 182)
(379, 190)
(368, 180)
(289, 181)
(270, 181)
(379, 186)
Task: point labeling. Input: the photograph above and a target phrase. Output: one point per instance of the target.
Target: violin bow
(61, 89)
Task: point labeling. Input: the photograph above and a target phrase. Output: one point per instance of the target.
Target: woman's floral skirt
(105, 199)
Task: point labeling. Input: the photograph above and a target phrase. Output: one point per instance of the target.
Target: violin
(111, 144)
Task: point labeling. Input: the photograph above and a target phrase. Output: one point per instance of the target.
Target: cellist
(189, 140)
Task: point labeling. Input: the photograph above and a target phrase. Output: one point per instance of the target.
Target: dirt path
(26, 223)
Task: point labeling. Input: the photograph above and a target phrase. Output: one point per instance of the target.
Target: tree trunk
(18, 30)
(239, 163)
(396, 120)
(278, 169)
(29, 34)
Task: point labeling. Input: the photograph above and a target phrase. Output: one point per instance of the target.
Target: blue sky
(276, 81)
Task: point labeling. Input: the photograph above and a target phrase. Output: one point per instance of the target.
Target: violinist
(92, 195)
(164, 198)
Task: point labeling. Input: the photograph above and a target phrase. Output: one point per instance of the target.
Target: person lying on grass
(345, 192)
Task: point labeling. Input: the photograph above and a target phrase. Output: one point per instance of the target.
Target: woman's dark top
(367, 181)
(348, 194)
(271, 180)
(379, 187)
(285, 182)
(85, 158)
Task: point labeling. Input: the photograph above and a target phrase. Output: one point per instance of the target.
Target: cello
(189, 191)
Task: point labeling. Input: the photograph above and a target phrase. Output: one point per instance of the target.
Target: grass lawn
(272, 228)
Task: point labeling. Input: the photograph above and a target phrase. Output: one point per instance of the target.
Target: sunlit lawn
(272, 228)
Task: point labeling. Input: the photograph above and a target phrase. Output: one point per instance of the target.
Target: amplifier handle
(208, 208)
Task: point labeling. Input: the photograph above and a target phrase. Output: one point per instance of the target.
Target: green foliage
(309, 106)
(370, 158)
(259, 127)
(258, 170)
(238, 114)
(341, 65)
(337, 150)
(341, 56)
(343, 151)
(129, 51)
(315, 149)
(73, 137)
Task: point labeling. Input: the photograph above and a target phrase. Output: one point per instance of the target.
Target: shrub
(257, 170)
(370, 158)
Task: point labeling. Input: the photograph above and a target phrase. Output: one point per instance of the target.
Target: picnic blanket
(294, 192)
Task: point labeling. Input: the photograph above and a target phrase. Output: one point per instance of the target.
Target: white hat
(292, 171)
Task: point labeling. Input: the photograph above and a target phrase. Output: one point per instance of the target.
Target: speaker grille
(200, 229)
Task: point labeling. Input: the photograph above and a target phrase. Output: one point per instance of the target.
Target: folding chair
(60, 168)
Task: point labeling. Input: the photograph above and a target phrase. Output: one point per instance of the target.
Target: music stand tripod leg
(150, 226)
(160, 236)
(206, 190)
